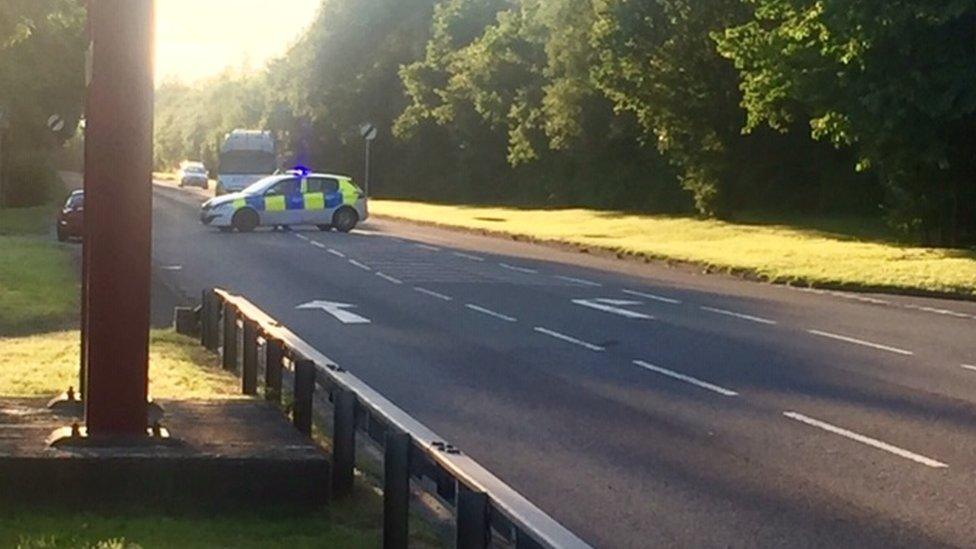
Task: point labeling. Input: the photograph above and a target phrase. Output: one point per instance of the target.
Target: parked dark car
(71, 219)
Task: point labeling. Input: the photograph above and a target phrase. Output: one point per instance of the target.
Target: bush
(29, 179)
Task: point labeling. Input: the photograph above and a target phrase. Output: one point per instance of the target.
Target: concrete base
(222, 453)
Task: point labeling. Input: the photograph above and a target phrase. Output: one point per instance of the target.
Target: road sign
(338, 310)
(368, 131)
(614, 306)
(55, 123)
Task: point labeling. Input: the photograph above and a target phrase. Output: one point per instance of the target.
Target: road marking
(389, 278)
(302, 237)
(428, 247)
(489, 312)
(360, 265)
(432, 293)
(653, 297)
(687, 379)
(969, 367)
(739, 315)
(518, 269)
(469, 256)
(568, 339)
(582, 281)
(613, 306)
(172, 267)
(318, 244)
(946, 312)
(861, 342)
(866, 440)
(338, 310)
(336, 253)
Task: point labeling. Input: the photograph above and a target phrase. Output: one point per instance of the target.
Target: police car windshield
(263, 184)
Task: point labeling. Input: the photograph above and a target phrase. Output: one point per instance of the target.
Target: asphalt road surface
(640, 406)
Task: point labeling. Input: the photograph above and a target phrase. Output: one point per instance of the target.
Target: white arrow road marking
(338, 310)
(687, 379)
(866, 440)
(613, 306)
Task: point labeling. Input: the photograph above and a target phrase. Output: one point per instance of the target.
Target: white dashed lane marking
(687, 379)
(517, 269)
(653, 297)
(427, 247)
(582, 281)
(969, 367)
(336, 253)
(856, 341)
(469, 256)
(738, 315)
(355, 263)
(432, 293)
(873, 442)
(568, 339)
(389, 278)
(491, 313)
(318, 245)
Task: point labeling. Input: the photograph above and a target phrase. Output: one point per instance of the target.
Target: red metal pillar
(118, 217)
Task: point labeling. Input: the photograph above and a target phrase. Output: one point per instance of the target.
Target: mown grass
(774, 252)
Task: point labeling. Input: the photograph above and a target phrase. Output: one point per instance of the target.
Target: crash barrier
(487, 511)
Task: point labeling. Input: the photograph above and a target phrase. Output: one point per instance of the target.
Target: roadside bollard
(304, 391)
(472, 519)
(274, 352)
(343, 442)
(210, 320)
(230, 336)
(249, 368)
(396, 490)
(185, 321)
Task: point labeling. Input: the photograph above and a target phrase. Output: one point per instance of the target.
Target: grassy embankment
(852, 254)
(38, 357)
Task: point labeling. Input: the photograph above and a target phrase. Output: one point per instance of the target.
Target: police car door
(283, 203)
(322, 197)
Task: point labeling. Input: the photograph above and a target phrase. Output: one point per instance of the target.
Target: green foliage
(894, 82)
(29, 179)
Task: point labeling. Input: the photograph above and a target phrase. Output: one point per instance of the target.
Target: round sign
(55, 123)
(368, 131)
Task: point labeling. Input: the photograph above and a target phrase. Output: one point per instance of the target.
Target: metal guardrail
(484, 505)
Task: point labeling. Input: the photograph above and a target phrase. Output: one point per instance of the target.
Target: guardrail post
(343, 442)
(186, 322)
(274, 352)
(249, 371)
(210, 320)
(304, 391)
(396, 490)
(230, 336)
(472, 519)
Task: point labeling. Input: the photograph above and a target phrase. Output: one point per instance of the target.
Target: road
(640, 406)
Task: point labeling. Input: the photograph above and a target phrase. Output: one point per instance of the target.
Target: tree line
(716, 107)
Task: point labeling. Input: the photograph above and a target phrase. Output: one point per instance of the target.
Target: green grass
(38, 220)
(776, 252)
(38, 285)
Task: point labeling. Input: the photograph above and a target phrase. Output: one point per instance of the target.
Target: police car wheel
(345, 220)
(245, 221)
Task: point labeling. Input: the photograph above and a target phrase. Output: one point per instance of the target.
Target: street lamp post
(118, 217)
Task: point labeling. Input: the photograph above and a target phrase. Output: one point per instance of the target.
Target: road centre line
(489, 312)
(875, 443)
(582, 281)
(568, 339)
(518, 269)
(969, 367)
(739, 315)
(861, 342)
(432, 293)
(336, 253)
(687, 379)
(302, 237)
(469, 256)
(389, 278)
(653, 297)
(427, 247)
(360, 265)
(318, 244)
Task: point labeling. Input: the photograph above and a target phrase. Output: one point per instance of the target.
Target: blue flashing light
(301, 170)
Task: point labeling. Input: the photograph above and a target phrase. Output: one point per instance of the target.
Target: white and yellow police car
(297, 197)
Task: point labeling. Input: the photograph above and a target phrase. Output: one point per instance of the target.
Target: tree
(896, 82)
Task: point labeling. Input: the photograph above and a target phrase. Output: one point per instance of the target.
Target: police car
(297, 197)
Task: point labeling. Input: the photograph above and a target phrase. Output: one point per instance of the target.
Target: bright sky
(200, 38)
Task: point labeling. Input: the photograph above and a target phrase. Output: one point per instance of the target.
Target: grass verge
(773, 252)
